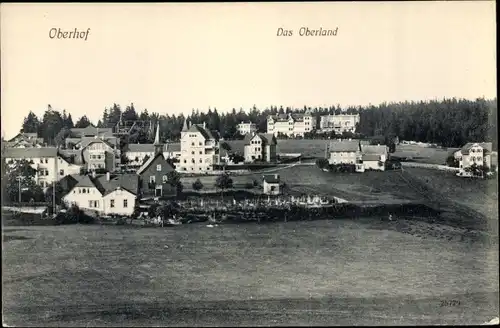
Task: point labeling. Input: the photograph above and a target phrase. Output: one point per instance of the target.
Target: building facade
(200, 149)
(260, 147)
(271, 184)
(47, 162)
(245, 128)
(474, 153)
(292, 125)
(136, 153)
(344, 152)
(374, 157)
(104, 194)
(339, 123)
(153, 174)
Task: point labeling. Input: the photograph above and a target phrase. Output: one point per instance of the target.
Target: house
(271, 184)
(245, 128)
(91, 131)
(99, 154)
(79, 142)
(474, 153)
(374, 157)
(260, 147)
(344, 152)
(50, 166)
(200, 149)
(25, 140)
(153, 174)
(105, 194)
(136, 153)
(292, 125)
(339, 123)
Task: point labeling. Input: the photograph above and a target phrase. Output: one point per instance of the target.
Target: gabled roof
(150, 160)
(375, 149)
(488, 146)
(90, 130)
(344, 146)
(206, 133)
(25, 136)
(370, 157)
(296, 117)
(31, 152)
(87, 141)
(272, 178)
(129, 182)
(267, 138)
(66, 154)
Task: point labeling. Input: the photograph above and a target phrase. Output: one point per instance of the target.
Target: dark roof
(25, 136)
(370, 157)
(268, 138)
(344, 146)
(129, 182)
(76, 154)
(206, 133)
(150, 160)
(30, 152)
(488, 146)
(272, 178)
(90, 130)
(87, 141)
(374, 149)
(296, 117)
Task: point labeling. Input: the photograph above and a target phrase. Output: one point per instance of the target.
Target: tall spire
(157, 144)
(157, 135)
(185, 126)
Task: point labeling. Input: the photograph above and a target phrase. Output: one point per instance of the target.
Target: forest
(446, 122)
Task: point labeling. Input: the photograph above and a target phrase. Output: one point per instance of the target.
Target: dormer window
(158, 167)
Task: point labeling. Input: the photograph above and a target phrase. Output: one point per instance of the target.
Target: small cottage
(271, 184)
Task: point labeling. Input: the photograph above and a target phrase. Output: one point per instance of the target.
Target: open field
(308, 147)
(424, 154)
(336, 272)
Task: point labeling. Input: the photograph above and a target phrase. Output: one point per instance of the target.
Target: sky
(171, 58)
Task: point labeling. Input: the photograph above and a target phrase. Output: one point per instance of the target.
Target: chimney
(108, 176)
(204, 125)
(93, 174)
(275, 176)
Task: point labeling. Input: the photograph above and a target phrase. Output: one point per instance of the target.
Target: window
(61, 172)
(165, 179)
(185, 161)
(152, 179)
(84, 190)
(201, 153)
(192, 144)
(125, 203)
(158, 167)
(79, 190)
(46, 161)
(200, 143)
(192, 153)
(201, 161)
(112, 203)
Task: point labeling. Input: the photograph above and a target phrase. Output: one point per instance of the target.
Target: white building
(199, 149)
(271, 184)
(136, 153)
(344, 152)
(105, 194)
(339, 123)
(474, 153)
(374, 157)
(47, 162)
(291, 125)
(260, 147)
(246, 128)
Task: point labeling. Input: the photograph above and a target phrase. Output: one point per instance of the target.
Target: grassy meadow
(336, 272)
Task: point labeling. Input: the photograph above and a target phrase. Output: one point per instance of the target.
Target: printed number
(450, 303)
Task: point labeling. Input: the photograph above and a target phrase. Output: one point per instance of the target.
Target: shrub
(197, 185)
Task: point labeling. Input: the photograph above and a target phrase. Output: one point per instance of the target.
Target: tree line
(448, 122)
